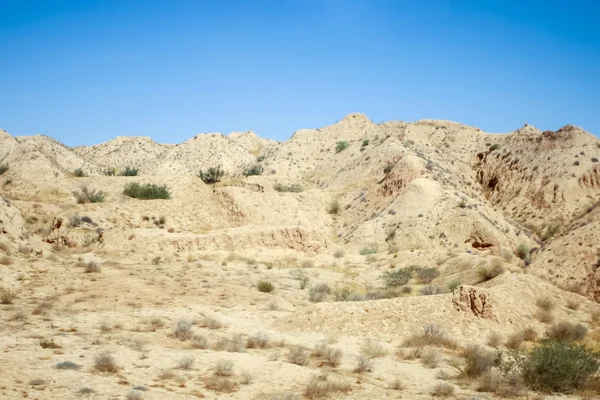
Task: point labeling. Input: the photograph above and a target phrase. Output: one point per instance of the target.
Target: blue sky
(85, 71)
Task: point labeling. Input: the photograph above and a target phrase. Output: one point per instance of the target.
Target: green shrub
(341, 146)
(554, 366)
(426, 275)
(146, 191)
(129, 171)
(256, 169)
(523, 252)
(212, 175)
(265, 287)
(365, 142)
(3, 168)
(371, 249)
(495, 146)
(78, 173)
(294, 188)
(388, 168)
(397, 278)
(86, 195)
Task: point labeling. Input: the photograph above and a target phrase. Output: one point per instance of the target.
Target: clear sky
(85, 71)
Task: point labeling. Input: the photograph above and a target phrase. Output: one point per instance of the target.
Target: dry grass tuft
(92, 267)
(183, 329)
(200, 342)
(573, 303)
(104, 362)
(372, 349)
(430, 358)
(442, 390)
(224, 368)
(430, 335)
(320, 387)
(515, 341)
(566, 331)
(211, 323)
(331, 357)
(258, 341)
(297, 356)
(477, 361)
(185, 363)
(494, 340)
(363, 364)
(7, 296)
(545, 303)
(396, 384)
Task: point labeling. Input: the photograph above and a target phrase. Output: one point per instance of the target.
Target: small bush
(78, 173)
(199, 342)
(545, 316)
(426, 275)
(515, 341)
(453, 285)
(297, 356)
(490, 272)
(7, 296)
(365, 142)
(396, 278)
(372, 349)
(545, 303)
(573, 303)
(146, 191)
(293, 188)
(555, 366)
(332, 357)
(49, 344)
(130, 171)
(396, 384)
(363, 364)
(92, 267)
(224, 368)
(430, 358)
(372, 249)
(495, 146)
(104, 362)
(529, 334)
(211, 323)
(109, 172)
(212, 175)
(387, 169)
(339, 253)
(258, 341)
(341, 146)
(318, 292)
(256, 169)
(494, 340)
(566, 331)
(430, 335)
(265, 287)
(183, 329)
(320, 387)
(86, 195)
(67, 365)
(185, 363)
(523, 252)
(442, 390)
(334, 207)
(478, 361)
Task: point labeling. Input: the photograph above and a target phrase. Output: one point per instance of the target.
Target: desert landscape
(360, 260)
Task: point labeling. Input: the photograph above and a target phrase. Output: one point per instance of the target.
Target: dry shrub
(220, 384)
(49, 344)
(396, 384)
(490, 272)
(258, 341)
(183, 329)
(430, 358)
(430, 335)
(224, 368)
(494, 340)
(477, 361)
(515, 341)
(442, 390)
(199, 342)
(104, 362)
(545, 303)
(320, 387)
(529, 334)
(318, 292)
(92, 267)
(566, 331)
(297, 356)
(372, 349)
(7, 296)
(185, 363)
(545, 316)
(211, 323)
(332, 357)
(363, 364)
(41, 308)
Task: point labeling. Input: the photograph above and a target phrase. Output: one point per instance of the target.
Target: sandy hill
(496, 236)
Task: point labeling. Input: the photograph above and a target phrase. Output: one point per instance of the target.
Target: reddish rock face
(474, 300)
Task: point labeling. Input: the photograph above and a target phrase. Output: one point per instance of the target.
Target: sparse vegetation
(224, 368)
(522, 252)
(396, 278)
(7, 295)
(87, 195)
(477, 361)
(183, 329)
(293, 188)
(341, 146)
(320, 387)
(443, 389)
(212, 175)
(371, 249)
(146, 191)
(490, 272)
(372, 349)
(199, 342)
(67, 365)
(92, 267)
(554, 366)
(495, 146)
(426, 275)
(3, 168)
(430, 335)
(78, 173)
(318, 292)
(297, 355)
(334, 207)
(545, 303)
(130, 171)
(258, 341)
(566, 331)
(256, 169)
(49, 344)
(363, 364)
(265, 287)
(185, 363)
(388, 168)
(331, 357)
(104, 362)
(494, 340)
